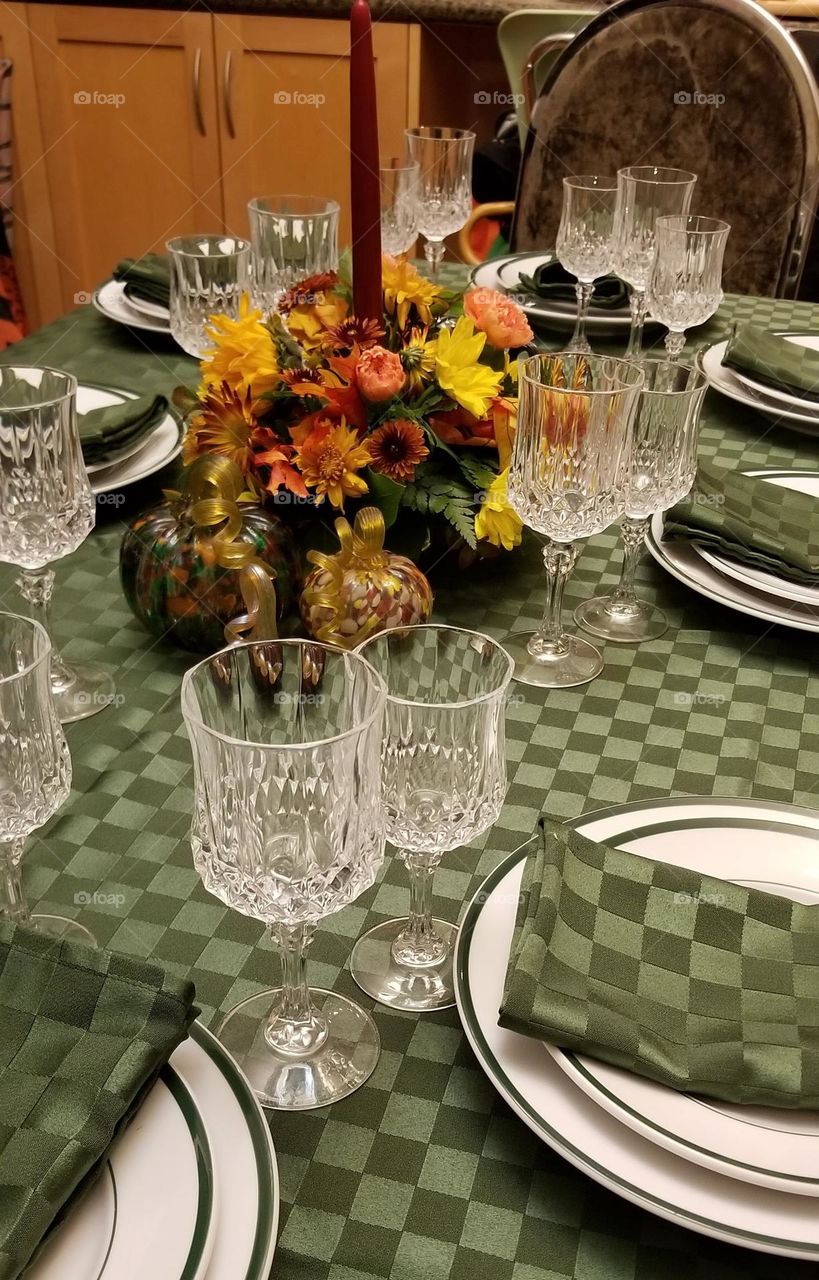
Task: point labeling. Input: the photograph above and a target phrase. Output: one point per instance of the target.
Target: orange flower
(282, 472)
(329, 459)
(379, 374)
(459, 428)
(396, 448)
(353, 332)
(312, 307)
(502, 320)
(224, 424)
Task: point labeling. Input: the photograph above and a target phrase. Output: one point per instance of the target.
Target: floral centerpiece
(413, 413)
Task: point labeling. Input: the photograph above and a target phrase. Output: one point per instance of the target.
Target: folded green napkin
(148, 277)
(771, 359)
(751, 521)
(83, 1036)
(702, 985)
(107, 433)
(553, 283)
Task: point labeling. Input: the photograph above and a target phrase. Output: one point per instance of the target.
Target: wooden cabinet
(134, 125)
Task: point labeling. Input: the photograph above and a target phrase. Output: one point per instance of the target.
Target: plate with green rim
(550, 1102)
(159, 1172)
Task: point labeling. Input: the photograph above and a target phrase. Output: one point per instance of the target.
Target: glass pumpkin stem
(13, 905)
(418, 944)
(294, 1027)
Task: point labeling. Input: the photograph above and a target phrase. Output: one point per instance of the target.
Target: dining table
(425, 1173)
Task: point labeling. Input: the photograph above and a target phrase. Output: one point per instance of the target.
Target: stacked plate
(504, 274)
(798, 412)
(754, 592)
(189, 1192)
(148, 455)
(748, 1175)
(118, 302)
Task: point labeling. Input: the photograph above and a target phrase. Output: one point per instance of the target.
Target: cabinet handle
(228, 89)
(197, 93)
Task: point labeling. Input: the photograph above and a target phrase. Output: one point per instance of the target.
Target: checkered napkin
(702, 985)
(771, 359)
(752, 521)
(147, 277)
(553, 283)
(83, 1035)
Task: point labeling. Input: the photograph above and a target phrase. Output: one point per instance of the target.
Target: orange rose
(498, 317)
(379, 374)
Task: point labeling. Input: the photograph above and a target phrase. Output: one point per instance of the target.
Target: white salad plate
(698, 569)
(190, 1191)
(504, 274)
(110, 299)
(153, 310)
(149, 455)
(622, 1148)
(727, 381)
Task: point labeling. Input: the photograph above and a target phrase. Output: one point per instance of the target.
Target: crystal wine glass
(567, 479)
(399, 205)
(293, 237)
(644, 193)
(662, 471)
(47, 510)
(584, 240)
(444, 781)
(35, 767)
(209, 275)
(685, 286)
(288, 828)
(444, 158)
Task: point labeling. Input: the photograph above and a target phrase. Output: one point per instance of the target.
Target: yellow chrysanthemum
(418, 359)
(243, 356)
(457, 353)
(497, 522)
(328, 461)
(405, 288)
(310, 322)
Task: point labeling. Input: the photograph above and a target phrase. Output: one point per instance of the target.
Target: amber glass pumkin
(175, 587)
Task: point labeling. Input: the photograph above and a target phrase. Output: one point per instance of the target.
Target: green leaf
(435, 492)
(477, 468)
(387, 495)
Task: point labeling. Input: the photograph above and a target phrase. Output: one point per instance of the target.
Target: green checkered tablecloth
(425, 1173)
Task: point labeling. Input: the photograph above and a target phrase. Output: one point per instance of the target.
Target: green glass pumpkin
(180, 594)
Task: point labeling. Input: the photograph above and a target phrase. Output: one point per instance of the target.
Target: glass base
(402, 986)
(601, 617)
(577, 662)
(340, 1065)
(60, 928)
(81, 691)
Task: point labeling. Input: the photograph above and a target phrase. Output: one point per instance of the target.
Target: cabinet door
(284, 97)
(128, 107)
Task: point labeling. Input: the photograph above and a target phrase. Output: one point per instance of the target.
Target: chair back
(519, 35)
(715, 86)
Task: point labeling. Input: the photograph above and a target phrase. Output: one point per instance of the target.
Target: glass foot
(342, 1062)
(80, 691)
(61, 929)
(576, 661)
(602, 617)
(403, 986)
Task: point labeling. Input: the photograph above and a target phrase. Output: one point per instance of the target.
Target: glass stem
(637, 306)
(434, 254)
(583, 291)
(674, 343)
(36, 586)
(559, 559)
(624, 599)
(294, 1027)
(13, 904)
(418, 944)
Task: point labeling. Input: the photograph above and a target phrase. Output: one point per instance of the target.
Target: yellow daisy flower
(497, 522)
(405, 288)
(328, 461)
(243, 356)
(470, 384)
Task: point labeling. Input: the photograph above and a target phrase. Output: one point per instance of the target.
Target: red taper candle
(365, 183)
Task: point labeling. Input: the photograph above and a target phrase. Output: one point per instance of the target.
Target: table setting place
(382, 968)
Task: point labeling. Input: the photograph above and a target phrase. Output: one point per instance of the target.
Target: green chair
(520, 37)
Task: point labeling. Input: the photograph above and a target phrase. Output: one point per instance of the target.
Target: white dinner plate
(110, 299)
(154, 310)
(160, 1172)
(149, 455)
(761, 579)
(558, 315)
(786, 398)
(551, 1104)
(726, 381)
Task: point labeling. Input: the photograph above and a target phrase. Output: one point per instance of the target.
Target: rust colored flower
(224, 424)
(329, 460)
(353, 332)
(309, 293)
(396, 448)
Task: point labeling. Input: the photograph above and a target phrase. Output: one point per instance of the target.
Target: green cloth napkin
(702, 985)
(769, 358)
(553, 283)
(751, 521)
(83, 1036)
(148, 277)
(107, 433)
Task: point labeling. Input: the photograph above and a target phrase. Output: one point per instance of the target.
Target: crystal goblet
(444, 159)
(584, 243)
(209, 276)
(293, 237)
(685, 288)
